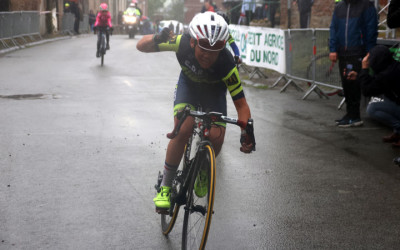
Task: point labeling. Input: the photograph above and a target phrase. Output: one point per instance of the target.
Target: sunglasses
(205, 44)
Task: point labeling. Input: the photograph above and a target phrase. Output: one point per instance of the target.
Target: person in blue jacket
(353, 32)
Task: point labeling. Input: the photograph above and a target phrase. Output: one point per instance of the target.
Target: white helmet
(211, 27)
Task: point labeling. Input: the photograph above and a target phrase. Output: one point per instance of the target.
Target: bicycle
(102, 36)
(198, 162)
(325, 71)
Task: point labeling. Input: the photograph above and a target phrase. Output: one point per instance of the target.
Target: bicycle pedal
(162, 210)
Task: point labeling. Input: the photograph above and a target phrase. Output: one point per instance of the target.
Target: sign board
(261, 47)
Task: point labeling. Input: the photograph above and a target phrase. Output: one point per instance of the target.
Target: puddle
(30, 96)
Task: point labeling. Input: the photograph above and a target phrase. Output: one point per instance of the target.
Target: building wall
(321, 14)
(16, 5)
(192, 7)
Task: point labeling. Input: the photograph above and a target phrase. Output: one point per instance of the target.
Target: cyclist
(103, 19)
(231, 41)
(208, 71)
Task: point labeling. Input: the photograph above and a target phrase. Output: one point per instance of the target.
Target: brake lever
(250, 132)
(181, 116)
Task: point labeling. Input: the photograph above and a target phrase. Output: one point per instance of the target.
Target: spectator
(384, 81)
(208, 6)
(393, 17)
(77, 12)
(92, 19)
(67, 7)
(270, 11)
(353, 32)
(304, 12)
(248, 9)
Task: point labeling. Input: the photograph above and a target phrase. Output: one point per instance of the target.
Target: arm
(109, 20)
(97, 20)
(247, 140)
(146, 44)
(333, 39)
(149, 43)
(242, 109)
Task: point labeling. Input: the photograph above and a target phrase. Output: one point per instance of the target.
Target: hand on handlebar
(163, 36)
(247, 140)
(238, 60)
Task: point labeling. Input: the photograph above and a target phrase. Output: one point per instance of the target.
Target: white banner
(260, 47)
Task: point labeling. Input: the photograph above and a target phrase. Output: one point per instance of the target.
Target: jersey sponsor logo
(232, 80)
(193, 68)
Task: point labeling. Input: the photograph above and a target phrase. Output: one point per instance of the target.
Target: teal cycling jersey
(223, 71)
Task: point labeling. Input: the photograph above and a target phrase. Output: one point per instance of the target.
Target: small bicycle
(194, 183)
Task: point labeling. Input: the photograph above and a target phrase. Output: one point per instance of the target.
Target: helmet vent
(206, 29)
(199, 29)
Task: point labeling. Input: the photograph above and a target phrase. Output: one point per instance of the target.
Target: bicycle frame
(199, 159)
(102, 37)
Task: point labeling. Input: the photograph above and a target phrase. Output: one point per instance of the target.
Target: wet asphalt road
(81, 146)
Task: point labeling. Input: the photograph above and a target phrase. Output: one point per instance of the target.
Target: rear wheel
(102, 58)
(199, 210)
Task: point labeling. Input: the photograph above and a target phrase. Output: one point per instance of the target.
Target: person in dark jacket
(353, 32)
(385, 83)
(77, 12)
(393, 17)
(305, 12)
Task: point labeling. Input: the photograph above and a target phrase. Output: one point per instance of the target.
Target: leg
(352, 89)
(108, 40)
(386, 112)
(217, 136)
(98, 40)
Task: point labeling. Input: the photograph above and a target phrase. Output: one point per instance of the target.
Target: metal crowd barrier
(68, 21)
(17, 28)
(307, 60)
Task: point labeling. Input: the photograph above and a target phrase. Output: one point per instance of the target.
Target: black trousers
(305, 19)
(351, 89)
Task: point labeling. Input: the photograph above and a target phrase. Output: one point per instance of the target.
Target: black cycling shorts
(210, 97)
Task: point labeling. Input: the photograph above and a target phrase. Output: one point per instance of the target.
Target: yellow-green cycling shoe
(162, 199)
(201, 184)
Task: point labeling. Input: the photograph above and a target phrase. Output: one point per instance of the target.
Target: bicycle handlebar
(212, 118)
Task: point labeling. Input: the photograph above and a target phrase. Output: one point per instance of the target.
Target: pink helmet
(103, 7)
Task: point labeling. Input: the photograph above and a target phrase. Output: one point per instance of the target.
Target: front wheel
(200, 202)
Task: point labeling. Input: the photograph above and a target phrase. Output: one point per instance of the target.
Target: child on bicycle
(103, 20)
(208, 71)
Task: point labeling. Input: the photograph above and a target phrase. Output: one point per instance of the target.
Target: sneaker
(201, 184)
(346, 123)
(162, 199)
(341, 119)
(107, 46)
(97, 53)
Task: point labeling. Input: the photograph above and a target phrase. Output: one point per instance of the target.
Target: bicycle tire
(168, 221)
(330, 69)
(199, 210)
(103, 48)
